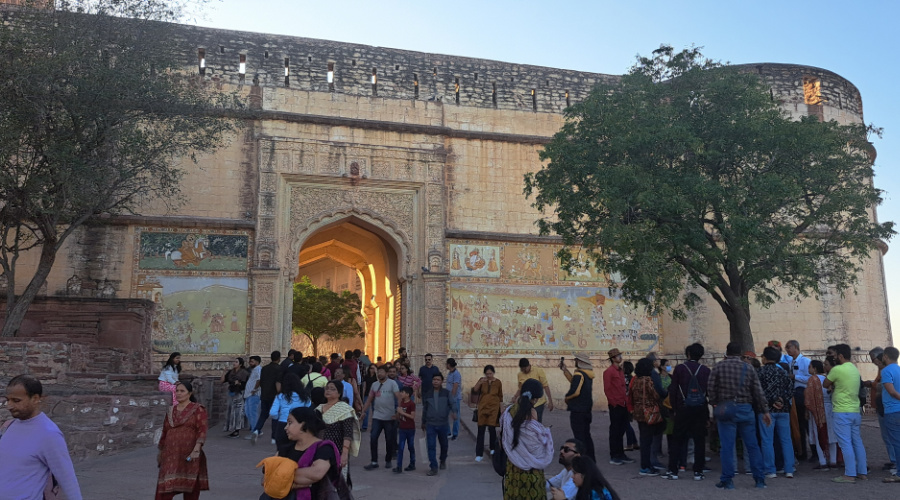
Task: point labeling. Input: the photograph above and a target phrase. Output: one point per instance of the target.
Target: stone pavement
(232, 473)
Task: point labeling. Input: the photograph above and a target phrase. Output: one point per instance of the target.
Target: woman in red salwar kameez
(182, 463)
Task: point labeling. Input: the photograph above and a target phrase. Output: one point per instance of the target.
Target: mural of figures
(191, 312)
(193, 251)
(582, 271)
(529, 262)
(498, 317)
(478, 261)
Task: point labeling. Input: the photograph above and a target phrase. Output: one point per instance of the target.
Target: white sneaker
(771, 475)
(789, 475)
(478, 459)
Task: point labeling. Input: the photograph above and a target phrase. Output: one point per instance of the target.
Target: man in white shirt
(252, 392)
(800, 374)
(563, 481)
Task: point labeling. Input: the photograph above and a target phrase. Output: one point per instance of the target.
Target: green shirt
(846, 388)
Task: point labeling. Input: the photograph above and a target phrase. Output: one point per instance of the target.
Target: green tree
(97, 114)
(687, 175)
(319, 311)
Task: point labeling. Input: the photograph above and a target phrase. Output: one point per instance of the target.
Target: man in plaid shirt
(725, 384)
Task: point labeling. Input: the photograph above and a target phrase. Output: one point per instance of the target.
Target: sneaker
(761, 485)
(478, 459)
(616, 461)
(888, 466)
(432, 472)
(891, 479)
(626, 460)
(669, 475)
(706, 469)
(789, 475)
(779, 471)
(249, 437)
(443, 464)
(410, 468)
(397, 470)
(681, 469)
(492, 452)
(821, 468)
(725, 485)
(649, 472)
(371, 466)
(698, 476)
(452, 438)
(771, 475)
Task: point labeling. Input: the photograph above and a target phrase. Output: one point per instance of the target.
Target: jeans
(618, 421)
(455, 424)
(581, 430)
(690, 423)
(264, 408)
(390, 428)
(886, 437)
(779, 429)
(846, 428)
(648, 432)
(251, 411)
(744, 423)
(630, 437)
(479, 442)
(407, 436)
(435, 433)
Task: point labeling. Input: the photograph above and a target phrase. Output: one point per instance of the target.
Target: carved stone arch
(396, 236)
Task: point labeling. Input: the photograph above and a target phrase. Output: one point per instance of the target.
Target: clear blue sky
(857, 40)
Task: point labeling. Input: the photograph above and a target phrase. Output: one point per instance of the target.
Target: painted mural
(168, 250)
(479, 261)
(487, 317)
(196, 314)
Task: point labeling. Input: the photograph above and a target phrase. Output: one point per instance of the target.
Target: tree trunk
(739, 327)
(20, 305)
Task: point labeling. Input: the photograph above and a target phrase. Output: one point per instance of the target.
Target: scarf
(308, 458)
(535, 449)
(183, 416)
(339, 412)
(815, 400)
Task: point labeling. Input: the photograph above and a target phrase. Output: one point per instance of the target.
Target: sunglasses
(566, 449)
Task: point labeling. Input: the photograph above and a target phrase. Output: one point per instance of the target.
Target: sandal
(844, 479)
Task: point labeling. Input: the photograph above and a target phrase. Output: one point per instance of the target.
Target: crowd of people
(771, 412)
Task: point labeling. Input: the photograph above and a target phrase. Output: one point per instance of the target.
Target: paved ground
(232, 473)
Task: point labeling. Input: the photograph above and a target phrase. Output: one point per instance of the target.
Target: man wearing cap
(614, 388)
(580, 400)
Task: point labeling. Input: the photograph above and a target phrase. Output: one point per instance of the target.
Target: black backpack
(309, 385)
(695, 395)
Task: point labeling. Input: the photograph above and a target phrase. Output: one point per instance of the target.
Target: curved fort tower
(398, 175)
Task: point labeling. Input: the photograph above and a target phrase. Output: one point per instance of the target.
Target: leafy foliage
(97, 115)
(319, 311)
(688, 175)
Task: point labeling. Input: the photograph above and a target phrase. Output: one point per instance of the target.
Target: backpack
(695, 395)
(309, 385)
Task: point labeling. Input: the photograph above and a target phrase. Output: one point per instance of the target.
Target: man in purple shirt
(32, 446)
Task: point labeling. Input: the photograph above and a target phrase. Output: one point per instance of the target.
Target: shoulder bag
(725, 411)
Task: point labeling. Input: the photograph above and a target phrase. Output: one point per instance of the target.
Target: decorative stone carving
(266, 227)
(269, 182)
(262, 318)
(435, 195)
(434, 319)
(265, 294)
(308, 203)
(434, 296)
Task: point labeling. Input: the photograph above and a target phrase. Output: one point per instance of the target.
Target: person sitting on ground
(591, 483)
(563, 481)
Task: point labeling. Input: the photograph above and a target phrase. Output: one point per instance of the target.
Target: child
(406, 416)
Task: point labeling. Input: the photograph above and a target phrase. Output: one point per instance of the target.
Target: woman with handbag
(645, 398)
(528, 446)
(181, 461)
(318, 461)
(489, 391)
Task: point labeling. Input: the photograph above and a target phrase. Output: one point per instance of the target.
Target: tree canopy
(319, 312)
(98, 113)
(687, 175)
